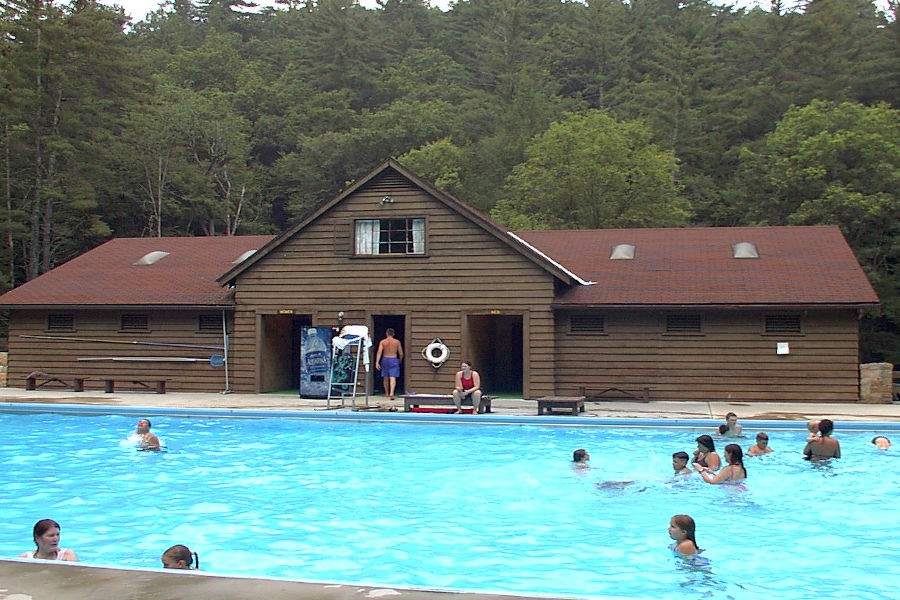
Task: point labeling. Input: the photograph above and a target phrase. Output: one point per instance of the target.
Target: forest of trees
(217, 118)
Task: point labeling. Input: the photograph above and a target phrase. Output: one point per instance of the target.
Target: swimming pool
(455, 506)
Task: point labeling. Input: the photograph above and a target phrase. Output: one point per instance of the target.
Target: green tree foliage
(212, 117)
(591, 171)
(830, 163)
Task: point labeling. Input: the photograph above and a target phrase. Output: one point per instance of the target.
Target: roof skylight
(151, 257)
(744, 250)
(622, 252)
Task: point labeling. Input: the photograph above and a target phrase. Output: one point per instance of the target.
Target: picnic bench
(37, 379)
(637, 393)
(157, 385)
(575, 404)
(411, 401)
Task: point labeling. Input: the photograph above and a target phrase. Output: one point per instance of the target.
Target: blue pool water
(455, 507)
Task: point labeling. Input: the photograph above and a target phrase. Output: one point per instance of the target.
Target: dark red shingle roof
(694, 266)
(107, 274)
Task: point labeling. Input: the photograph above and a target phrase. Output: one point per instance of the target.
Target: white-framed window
(390, 236)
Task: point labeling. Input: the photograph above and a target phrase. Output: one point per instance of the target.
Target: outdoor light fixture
(387, 200)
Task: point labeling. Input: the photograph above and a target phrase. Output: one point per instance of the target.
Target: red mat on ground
(426, 409)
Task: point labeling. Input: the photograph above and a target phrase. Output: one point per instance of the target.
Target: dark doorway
(380, 323)
(495, 349)
(279, 353)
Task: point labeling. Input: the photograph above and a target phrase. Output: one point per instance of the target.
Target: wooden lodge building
(751, 314)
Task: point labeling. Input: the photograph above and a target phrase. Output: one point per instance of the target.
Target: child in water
(180, 557)
(681, 529)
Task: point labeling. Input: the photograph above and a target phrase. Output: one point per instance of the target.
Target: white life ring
(436, 353)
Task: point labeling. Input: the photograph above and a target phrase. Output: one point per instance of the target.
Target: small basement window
(135, 322)
(61, 322)
(587, 324)
(210, 322)
(683, 324)
(784, 324)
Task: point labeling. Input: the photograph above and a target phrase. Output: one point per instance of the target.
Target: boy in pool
(679, 463)
(761, 446)
(580, 459)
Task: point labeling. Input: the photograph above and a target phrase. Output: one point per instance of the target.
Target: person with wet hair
(682, 529)
(823, 446)
(733, 472)
(146, 440)
(679, 463)
(46, 538)
(705, 455)
(730, 428)
(180, 556)
(881, 442)
(580, 458)
(761, 446)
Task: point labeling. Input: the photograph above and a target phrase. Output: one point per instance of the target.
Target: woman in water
(705, 454)
(823, 445)
(180, 557)
(46, 538)
(733, 472)
(681, 529)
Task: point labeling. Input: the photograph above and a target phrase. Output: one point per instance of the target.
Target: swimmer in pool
(580, 459)
(761, 446)
(881, 442)
(823, 445)
(180, 557)
(682, 529)
(679, 463)
(730, 428)
(146, 440)
(733, 472)
(705, 455)
(813, 426)
(46, 538)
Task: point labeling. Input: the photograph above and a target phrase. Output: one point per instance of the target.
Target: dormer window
(390, 236)
(622, 252)
(744, 250)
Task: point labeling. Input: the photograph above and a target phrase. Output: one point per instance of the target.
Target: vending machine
(315, 361)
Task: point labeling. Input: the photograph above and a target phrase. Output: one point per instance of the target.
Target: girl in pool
(681, 529)
(705, 455)
(46, 537)
(180, 557)
(733, 472)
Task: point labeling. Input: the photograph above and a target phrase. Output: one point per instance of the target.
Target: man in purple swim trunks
(387, 360)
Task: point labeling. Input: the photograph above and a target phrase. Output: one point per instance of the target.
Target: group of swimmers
(706, 461)
(46, 534)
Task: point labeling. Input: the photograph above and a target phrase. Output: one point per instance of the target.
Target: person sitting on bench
(468, 385)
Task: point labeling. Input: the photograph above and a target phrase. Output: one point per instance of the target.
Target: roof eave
(722, 306)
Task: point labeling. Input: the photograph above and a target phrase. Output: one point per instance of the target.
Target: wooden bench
(411, 401)
(37, 379)
(157, 385)
(575, 404)
(637, 393)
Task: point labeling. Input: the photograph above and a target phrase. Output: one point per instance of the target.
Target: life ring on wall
(436, 353)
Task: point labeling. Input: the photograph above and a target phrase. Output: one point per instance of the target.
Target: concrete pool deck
(26, 580)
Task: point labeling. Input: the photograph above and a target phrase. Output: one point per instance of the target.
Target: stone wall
(876, 384)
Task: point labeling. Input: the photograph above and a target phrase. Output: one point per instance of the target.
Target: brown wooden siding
(59, 357)
(465, 271)
(731, 359)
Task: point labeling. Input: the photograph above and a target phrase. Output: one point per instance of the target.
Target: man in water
(387, 360)
(146, 440)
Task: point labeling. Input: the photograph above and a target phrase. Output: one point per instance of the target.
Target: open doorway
(279, 351)
(380, 323)
(495, 349)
